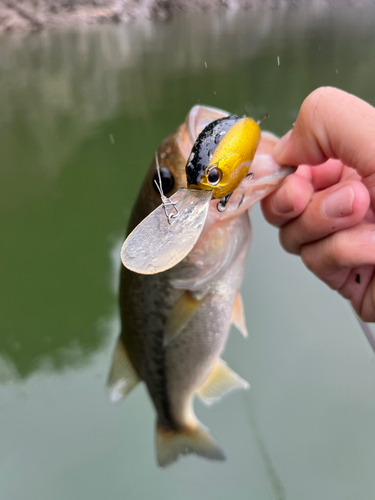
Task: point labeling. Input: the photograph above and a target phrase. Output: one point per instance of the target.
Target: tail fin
(170, 444)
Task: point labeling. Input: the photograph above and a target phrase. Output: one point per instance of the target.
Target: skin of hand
(326, 209)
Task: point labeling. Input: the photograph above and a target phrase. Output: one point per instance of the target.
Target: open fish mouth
(168, 234)
(263, 178)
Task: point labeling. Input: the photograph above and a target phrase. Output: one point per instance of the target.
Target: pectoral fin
(184, 309)
(238, 315)
(122, 377)
(220, 381)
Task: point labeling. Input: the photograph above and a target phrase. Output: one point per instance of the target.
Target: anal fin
(220, 381)
(185, 307)
(122, 377)
(238, 315)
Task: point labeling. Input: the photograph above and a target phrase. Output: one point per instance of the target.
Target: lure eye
(214, 176)
(167, 181)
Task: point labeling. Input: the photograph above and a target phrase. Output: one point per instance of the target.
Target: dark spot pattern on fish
(156, 368)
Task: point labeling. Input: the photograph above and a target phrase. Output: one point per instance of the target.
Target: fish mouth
(264, 176)
(196, 187)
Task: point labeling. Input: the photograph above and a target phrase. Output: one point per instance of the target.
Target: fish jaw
(265, 175)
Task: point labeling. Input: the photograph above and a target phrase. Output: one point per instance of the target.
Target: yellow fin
(220, 381)
(185, 307)
(238, 315)
(122, 377)
(170, 444)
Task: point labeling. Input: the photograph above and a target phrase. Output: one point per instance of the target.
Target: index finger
(331, 124)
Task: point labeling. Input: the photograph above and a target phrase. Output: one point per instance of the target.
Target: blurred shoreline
(31, 15)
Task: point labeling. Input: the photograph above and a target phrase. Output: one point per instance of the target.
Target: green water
(81, 114)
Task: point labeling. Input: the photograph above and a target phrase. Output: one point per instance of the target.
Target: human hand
(326, 213)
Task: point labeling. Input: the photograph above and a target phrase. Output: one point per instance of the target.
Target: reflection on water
(81, 115)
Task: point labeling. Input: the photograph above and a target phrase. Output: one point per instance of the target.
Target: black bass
(175, 323)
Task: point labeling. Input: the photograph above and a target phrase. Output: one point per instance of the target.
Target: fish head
(171, 156)
(168, 219)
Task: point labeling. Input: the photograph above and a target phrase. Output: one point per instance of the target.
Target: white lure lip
(159, 243)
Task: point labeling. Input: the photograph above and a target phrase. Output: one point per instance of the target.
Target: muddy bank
(26, 15)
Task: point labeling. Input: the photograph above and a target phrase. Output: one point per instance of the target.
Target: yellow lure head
(222, 154)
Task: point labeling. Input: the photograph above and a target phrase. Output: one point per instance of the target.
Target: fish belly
(174, 372)
(191, 356)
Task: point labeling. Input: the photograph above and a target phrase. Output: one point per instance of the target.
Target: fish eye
(214, 176)
(167, 180)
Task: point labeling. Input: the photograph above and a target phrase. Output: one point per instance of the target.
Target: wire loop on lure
(167, 202)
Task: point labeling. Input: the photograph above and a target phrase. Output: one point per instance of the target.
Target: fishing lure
(222, 154)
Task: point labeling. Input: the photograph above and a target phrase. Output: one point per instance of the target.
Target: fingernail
(282, 200)
(278, 149)
(339, 203)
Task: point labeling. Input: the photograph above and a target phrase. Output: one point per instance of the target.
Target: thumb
(331, 124)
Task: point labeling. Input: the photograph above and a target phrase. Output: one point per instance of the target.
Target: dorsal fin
(238, 315)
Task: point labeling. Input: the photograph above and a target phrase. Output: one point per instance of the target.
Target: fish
(175, 320)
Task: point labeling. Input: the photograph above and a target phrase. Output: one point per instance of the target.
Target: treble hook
(167, 202)
(264, 117)
(223, 202)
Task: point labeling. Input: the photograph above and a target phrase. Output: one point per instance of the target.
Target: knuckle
(268, 211)
(324, 256)
(312, 103)
(335, 252)
(314, 110)
(309, 257)
(368, 315)
(336, 255)
(367, 309)
(288, 242)
(317, 100)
